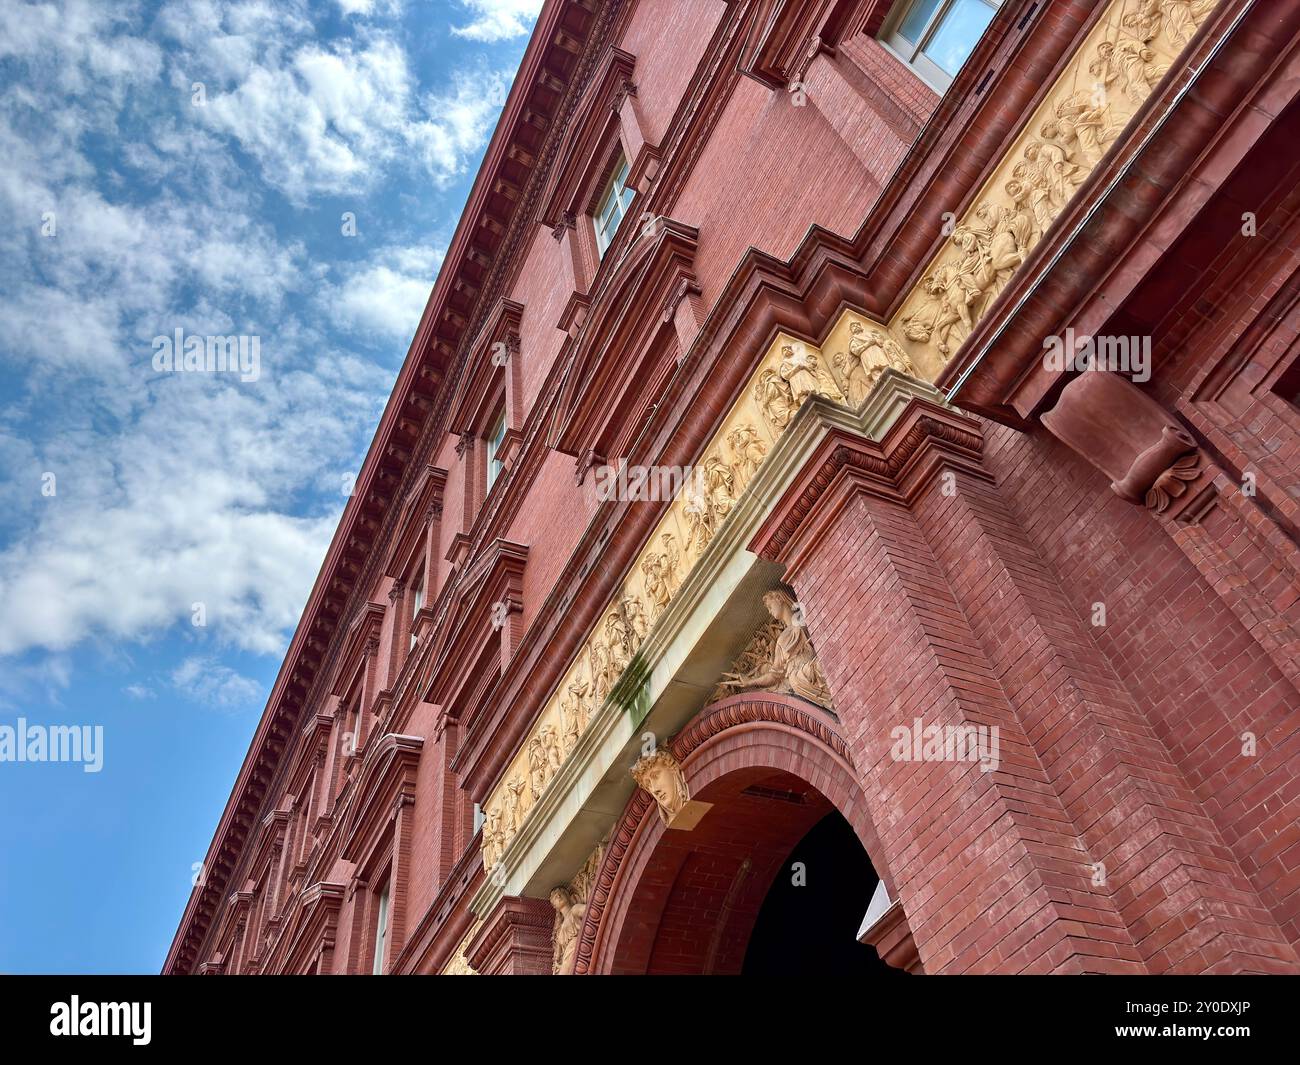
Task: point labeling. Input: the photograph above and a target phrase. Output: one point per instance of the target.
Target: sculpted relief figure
(793, 666)
(1081, 127)
(494, 838)
(569, 912)
(1178, 20)
(538, 769)
(570, 904)
(801, 371)
(660, 774)
(720, 488)
(619, 638)
(748, 451)
(514, 812)
(661, 578)
(1131, 67)
(944, 317)
(550, 738)
(635, 615)
(853, 376)
(1008, 234)
(776, 401)
(603, 673)
(699, 517)
(573, 714)
(871, 352)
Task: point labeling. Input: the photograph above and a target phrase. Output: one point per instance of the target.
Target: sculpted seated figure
(792, 664)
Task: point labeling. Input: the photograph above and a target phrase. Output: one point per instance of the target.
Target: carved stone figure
(619, 638)
(573, 714)
(1008, 232)
(635, 615)
(853, 377)
(720, 488)
(800, 369)
(1129, 65)
(1081, 127)
(793, 665)
(699, 518)
(660, 774)
(776, 401)
(569, 912)
(570, 903)
(870, 353)
(538, 768)
(494, 838)
(550, 738)
(515, 810)
(747, 450)
(661, 579)
(603, 672)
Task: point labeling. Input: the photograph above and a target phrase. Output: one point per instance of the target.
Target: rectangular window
(417, 604)
(612, 205)
(381, 933)
(356, 727)
(935, 37)
(496, 437)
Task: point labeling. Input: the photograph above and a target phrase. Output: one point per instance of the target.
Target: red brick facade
(972, 564)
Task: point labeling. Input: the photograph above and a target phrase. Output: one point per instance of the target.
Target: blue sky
(188, 165)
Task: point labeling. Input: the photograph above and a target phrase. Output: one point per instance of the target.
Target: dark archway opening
(809, 920)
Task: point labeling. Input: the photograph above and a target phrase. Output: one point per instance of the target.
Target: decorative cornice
(924, 438)
(386, 782)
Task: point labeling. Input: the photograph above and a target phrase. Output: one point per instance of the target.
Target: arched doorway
(725, 898)
(808, 922)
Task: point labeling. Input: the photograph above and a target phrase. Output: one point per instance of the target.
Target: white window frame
(612, 207)
(913, 52)
(417, 601)
(496, 436)
(381, 931)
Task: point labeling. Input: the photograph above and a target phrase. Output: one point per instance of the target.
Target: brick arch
(733, 746)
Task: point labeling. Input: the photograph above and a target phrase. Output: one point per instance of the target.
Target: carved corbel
(661, 775)
(587, 461)
(1127, 435)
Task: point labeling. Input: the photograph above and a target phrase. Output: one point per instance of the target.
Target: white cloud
(185, 488)
(498, 20)
(204, 680)
(386, 295)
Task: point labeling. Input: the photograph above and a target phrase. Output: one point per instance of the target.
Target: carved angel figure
(793, 666)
